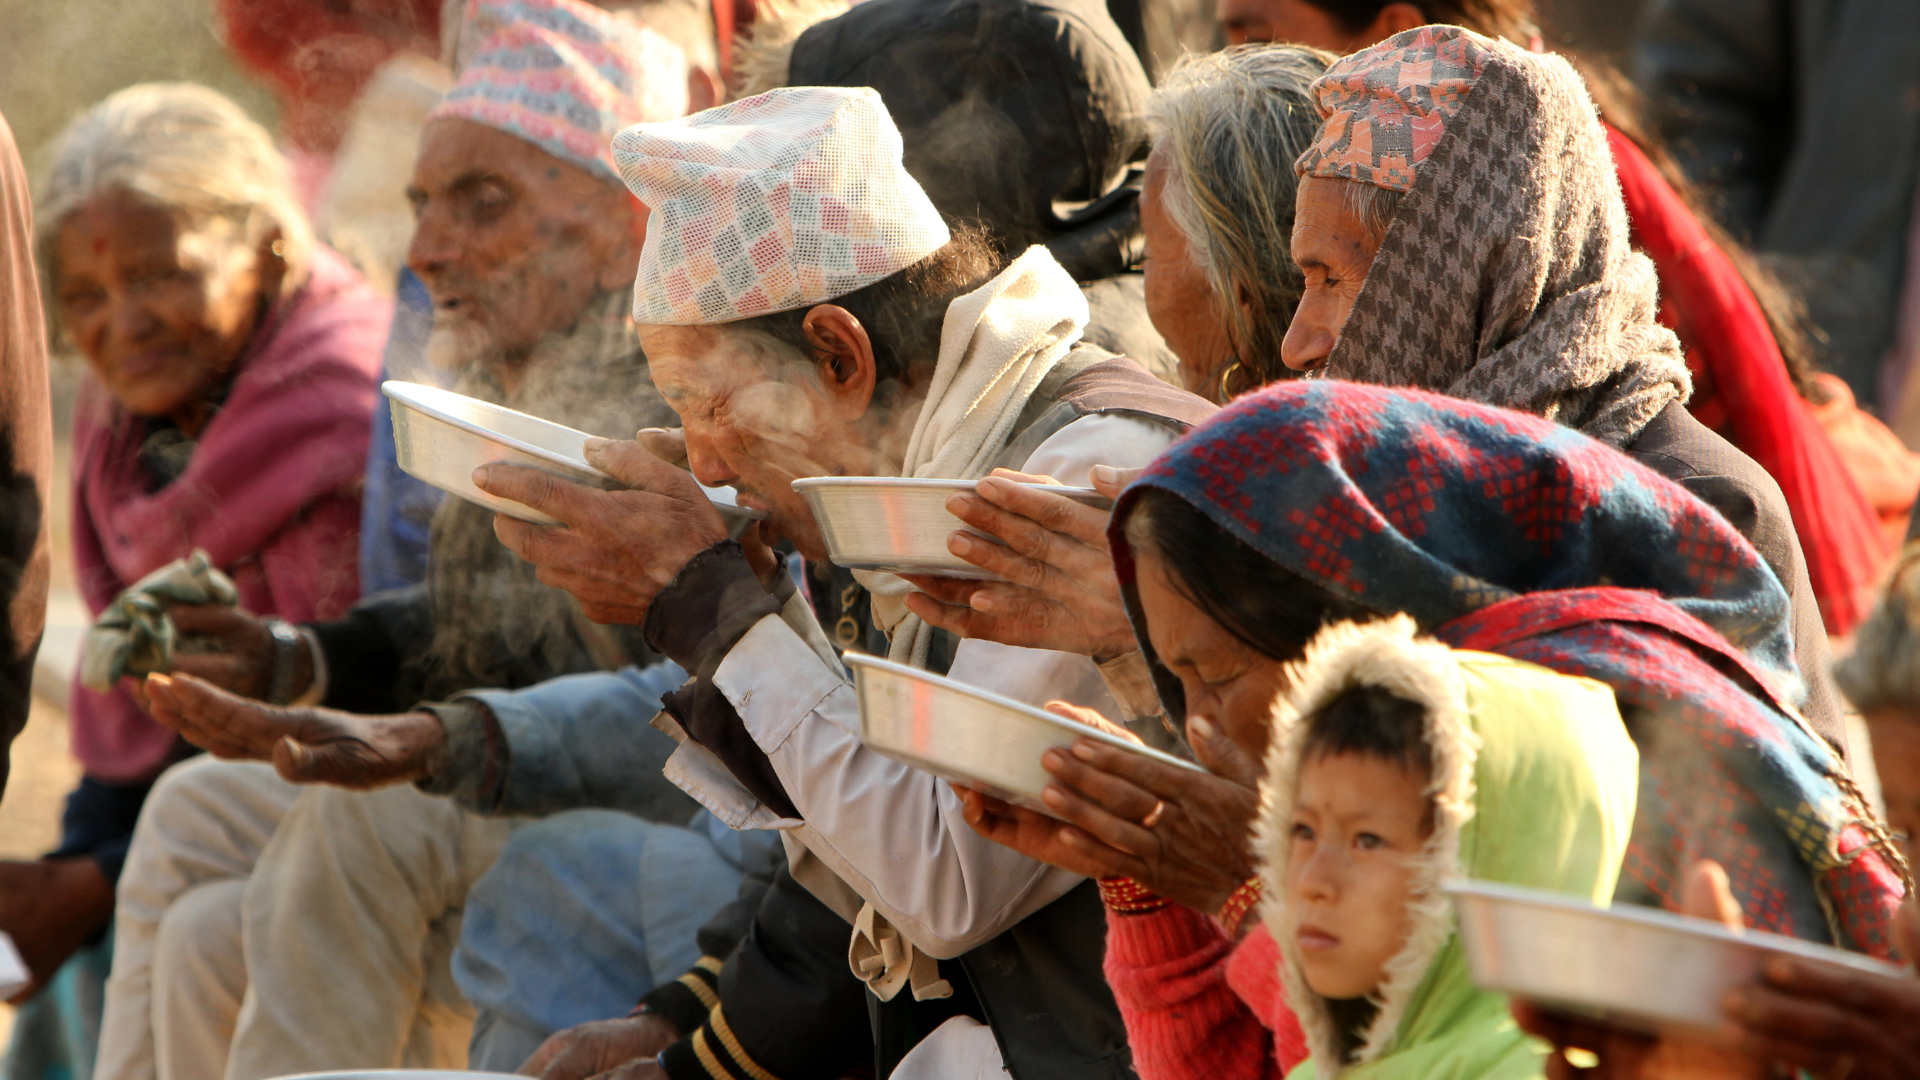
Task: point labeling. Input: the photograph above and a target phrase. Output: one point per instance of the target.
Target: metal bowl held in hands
(1633, 967)
(440, 437)
(968, 735)
(901, 524)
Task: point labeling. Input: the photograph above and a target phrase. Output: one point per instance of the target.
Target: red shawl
(272, 491)
(1751, 398)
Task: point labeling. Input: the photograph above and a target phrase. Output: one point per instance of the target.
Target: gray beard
(495, 624)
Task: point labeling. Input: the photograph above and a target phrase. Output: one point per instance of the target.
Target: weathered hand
(1185, 835)
(617, 549)
(667, 444)
(596, 1048)
(50, 908)
(1859, 1026)
(1060, 591)
(244, 666)
(306, 745)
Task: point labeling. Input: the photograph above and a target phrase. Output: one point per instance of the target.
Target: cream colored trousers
(265, 929)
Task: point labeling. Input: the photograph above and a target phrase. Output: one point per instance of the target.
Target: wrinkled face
(1334, 249)
(758, 418)
(1180, 300)
(1226, 680)
(1359, 823)
(510, 241)
(1896, 757)
(1279, 20)
(161, 312)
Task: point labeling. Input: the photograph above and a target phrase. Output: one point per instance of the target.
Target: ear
(1396, 18)
(272, 265)
(704, 89)
(623, 253)
(844, 354)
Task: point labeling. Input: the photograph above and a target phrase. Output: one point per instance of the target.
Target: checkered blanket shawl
(1503, 532)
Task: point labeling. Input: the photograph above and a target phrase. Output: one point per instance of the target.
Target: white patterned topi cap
(774, 202)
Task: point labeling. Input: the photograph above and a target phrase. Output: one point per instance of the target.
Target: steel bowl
(968, 735)
(1633, 967)
(901, 524)
(440, 437)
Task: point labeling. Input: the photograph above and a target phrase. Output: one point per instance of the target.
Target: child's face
(1358, 823)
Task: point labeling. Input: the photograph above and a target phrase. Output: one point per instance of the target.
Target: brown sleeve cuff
(706, 608)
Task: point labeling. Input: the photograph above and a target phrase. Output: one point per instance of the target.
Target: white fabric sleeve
(894, 834)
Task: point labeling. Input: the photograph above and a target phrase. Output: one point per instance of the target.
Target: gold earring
(1225, 375)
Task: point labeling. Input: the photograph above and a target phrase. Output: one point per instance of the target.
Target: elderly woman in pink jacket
(232, 367)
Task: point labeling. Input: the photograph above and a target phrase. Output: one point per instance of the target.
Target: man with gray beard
(247, 899)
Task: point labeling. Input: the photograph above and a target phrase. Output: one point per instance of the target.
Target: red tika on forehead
(1385, 108)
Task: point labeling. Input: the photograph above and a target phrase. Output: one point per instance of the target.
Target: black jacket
(1803, 116)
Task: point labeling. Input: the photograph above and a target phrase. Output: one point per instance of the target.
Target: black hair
(1269, 608)
(1514, 20)
(1374, 722)
(902, 313)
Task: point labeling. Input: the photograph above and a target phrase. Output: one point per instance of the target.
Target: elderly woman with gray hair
(1217, 210)
(232, 367)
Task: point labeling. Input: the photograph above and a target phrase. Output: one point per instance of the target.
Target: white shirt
(893, 834)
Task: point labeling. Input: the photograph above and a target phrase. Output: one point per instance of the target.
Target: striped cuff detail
(713, 1053)
(686, 1001)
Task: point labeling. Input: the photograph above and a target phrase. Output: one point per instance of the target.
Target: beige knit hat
(771, 203)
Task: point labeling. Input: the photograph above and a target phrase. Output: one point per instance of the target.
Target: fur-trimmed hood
(1538, 763)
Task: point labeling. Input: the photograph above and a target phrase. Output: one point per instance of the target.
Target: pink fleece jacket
(272, 491)
(1197, 1005)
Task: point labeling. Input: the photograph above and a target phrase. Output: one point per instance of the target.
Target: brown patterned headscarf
(1506, 276)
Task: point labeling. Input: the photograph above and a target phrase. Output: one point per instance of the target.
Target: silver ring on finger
(1153, 815)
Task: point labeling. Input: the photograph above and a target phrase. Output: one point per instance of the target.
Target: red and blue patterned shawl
(1503, 532)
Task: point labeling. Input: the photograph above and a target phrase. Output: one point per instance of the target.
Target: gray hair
(189, 150)
(1374, 206)
(1883, 670)
(1229, 126)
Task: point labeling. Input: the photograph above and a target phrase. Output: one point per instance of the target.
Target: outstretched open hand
(616, 550)
(306, 745)
(1185, 835)
(1060, 592)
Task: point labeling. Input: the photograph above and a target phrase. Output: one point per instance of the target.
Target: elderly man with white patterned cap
(808, 313)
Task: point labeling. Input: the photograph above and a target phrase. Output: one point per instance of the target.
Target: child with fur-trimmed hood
(1398, 764)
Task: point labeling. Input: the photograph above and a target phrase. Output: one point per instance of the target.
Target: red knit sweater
(1197, 1006)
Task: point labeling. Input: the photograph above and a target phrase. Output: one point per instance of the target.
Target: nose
(1310, 336)
(129, 321)
(1317, 877)
(704, 459)
(435, 244)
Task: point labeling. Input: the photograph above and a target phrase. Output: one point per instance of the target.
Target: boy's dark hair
(1372, 721)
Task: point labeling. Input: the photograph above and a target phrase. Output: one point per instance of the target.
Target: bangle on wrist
(1128, 897)
(1240, 903)
(316, 689)
(286, 653)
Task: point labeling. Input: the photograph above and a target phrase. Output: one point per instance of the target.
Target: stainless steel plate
(440, 437)
(1634, 967)
(901, 524)
(965, 734)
